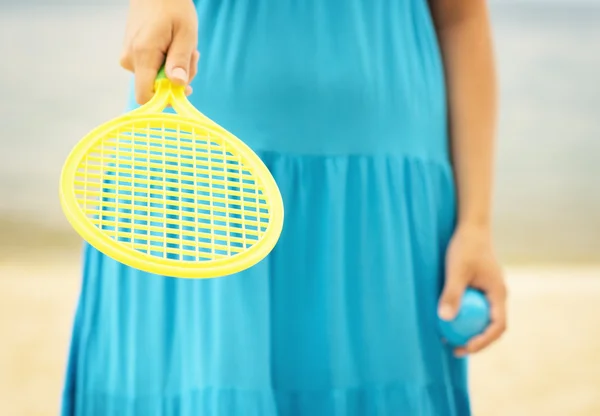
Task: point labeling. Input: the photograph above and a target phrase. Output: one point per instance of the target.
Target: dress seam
(372, 156)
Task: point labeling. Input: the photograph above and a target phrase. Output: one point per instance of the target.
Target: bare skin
(463, 30)
(159, 30)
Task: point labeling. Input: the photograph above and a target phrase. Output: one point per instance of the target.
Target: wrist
(475, 217)
(478, 225)
(157, 2)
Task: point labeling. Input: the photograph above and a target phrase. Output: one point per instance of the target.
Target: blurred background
(60, 77)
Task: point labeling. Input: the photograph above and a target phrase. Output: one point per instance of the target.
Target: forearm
(465, 40)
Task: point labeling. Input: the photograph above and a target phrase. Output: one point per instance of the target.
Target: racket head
(171, 194)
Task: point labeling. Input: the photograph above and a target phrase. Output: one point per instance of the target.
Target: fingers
(181, 56)
(144, 58)
(454, 287)
(126, 62)
(147, 62)
(496, 294)
(193, 72)
(173, 45)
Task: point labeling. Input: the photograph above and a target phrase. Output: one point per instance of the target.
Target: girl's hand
(470, 262)
(160, 32)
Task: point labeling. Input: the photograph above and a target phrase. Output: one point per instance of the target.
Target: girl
(368, 113)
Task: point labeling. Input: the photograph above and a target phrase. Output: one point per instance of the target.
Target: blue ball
(472, 319)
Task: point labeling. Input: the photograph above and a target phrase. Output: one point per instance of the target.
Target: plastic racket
(171, 193)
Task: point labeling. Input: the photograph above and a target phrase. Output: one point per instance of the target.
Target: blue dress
(345, 102)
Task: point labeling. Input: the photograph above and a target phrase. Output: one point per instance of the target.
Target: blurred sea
(60, 77)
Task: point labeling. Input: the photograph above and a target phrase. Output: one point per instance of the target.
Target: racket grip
(472, 319)
(162, 74)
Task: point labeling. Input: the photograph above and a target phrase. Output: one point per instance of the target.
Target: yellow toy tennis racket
(171, 193)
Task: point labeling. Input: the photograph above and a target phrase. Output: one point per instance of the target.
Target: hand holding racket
(172, 194)
(161, 33)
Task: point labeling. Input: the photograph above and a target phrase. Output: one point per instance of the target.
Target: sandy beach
(547, 364)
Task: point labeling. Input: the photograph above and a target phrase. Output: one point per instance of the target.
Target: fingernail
(445, 312)
(179, 74)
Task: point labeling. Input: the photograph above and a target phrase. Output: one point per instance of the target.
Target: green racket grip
(162, 74)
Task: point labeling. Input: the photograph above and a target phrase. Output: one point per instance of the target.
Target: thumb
(454, 288)
(180, 56)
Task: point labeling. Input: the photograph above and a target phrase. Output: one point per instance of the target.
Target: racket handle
(472, 319)
(162, 74)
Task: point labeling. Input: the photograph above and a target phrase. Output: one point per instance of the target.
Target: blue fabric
(344, 100)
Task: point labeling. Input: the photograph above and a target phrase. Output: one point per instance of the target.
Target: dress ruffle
(339, 320)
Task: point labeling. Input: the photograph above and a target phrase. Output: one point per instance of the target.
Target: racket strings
(173, 191)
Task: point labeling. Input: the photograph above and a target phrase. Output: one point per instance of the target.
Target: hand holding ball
(472, 319)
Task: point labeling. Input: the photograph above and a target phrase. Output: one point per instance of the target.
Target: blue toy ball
(472, 319)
